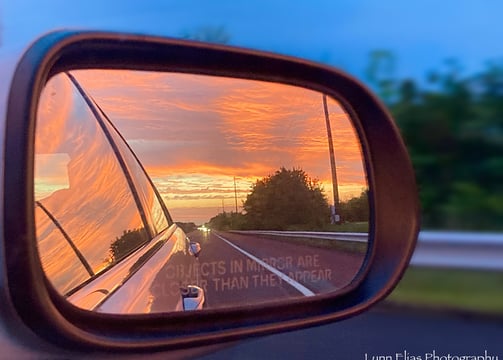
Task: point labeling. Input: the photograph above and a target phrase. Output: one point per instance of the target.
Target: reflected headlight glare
(203, 229)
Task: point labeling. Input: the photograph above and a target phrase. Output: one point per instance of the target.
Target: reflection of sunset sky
(92, 201)
(194, 134)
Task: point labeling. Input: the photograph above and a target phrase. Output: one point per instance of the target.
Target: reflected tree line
(453, 127)
(289, 200)
(452, 124)
(125, 244)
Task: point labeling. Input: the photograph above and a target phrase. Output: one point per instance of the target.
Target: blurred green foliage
(453, 127)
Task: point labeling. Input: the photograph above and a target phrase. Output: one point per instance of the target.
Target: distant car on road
(204, 229)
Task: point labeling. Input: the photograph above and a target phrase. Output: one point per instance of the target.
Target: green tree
(355, 209)
(129, 241)
(187, 227)
(228, 221)
(289, 199)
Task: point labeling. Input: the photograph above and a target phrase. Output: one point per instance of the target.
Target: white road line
(304, 290)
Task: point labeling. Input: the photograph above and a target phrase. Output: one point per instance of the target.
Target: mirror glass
(161, 192)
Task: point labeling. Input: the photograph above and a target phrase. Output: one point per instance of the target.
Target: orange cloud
(195, 133)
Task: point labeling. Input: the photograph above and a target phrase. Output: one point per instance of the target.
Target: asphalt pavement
(383, 333)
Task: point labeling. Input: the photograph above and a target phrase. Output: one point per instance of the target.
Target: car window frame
(102, 121)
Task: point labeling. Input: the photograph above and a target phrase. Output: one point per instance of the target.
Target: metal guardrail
(342, 236)
(466, 250)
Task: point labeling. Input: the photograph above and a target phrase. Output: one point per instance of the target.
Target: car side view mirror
(127, 155)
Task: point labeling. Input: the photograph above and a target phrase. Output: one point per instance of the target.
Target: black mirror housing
(393, 198)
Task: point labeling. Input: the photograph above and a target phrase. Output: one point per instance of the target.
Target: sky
(422, 34)
(196, 135)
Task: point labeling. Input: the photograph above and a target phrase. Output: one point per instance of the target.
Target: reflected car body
(89, 185)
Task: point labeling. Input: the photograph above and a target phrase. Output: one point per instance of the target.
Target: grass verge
(348, 246)
(349, 227)
(480, 291)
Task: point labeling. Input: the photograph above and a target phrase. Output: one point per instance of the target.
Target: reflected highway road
(243, 269)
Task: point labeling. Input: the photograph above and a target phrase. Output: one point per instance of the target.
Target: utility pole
(335, 186)
(235, 195)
